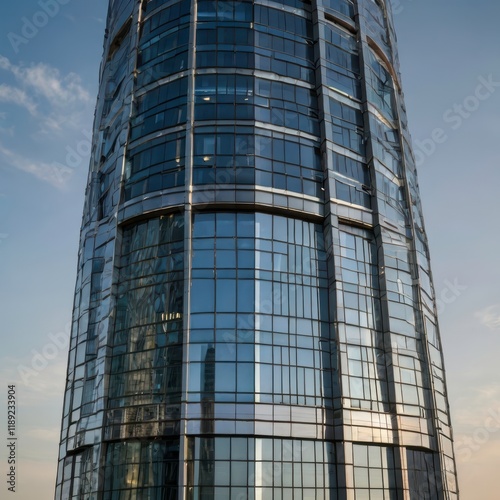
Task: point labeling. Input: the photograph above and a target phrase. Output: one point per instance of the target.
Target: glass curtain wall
(254, 312)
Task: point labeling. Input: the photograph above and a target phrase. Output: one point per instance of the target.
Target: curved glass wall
(259, 306)
(254, 312)
(145, 376)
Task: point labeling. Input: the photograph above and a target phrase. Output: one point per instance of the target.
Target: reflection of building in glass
(254, 312)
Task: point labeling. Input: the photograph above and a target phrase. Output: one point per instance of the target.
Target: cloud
(58, 106)
(36, 383)
(17, 96)
(489, 317)
(57, 102)
(476, 406)
(4, 63)
(51, 173)
(47, 82)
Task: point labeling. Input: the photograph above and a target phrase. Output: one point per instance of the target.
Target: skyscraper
(254, 313)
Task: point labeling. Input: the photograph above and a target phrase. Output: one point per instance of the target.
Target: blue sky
(47, 95)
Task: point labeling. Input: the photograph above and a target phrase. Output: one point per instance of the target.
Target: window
(138, 469)
(146, 364)
(347, 126)
(163, 44)
(241, 467)
(374, 473)
(160, 108)
(155, 165)
(224, 97)
(380, 86)
(345, 7)
(365, 376)
(260, 305)
(342, 61)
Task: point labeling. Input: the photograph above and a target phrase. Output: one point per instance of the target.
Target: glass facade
(254, 314)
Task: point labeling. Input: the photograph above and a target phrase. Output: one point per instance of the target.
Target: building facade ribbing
(254, 313)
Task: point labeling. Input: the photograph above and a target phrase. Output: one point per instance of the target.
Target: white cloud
(490, 317)
(51, 173)
(4, 63)
(57, 102)
(38, 380)
(58, 107)
(17, 96)
(47, 82)
(476, 407)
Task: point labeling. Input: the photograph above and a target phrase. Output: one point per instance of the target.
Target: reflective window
(160, 108)
(141, 469)
(78, 474)
(223, 155)
(155, 165)
(83, 400)
(146, 361)
(220, 10)
(224, 97)
(352, 180)
(374, 473)
(283, 43)
(345, 7)
(391, 199)
(231, 97)
(380, 87)
(376, 25)
(348, 127)
(238, 467)
(286, 105)
(163, 44)
(365, 380)
(288, 162)
(410, 365)
(283, 21)
(342, 61)
(252, 155)
(221, 362)
(224, 37)
(259, 295)
(386, 146)
(424, 475)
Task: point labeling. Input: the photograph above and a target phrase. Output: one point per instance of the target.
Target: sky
(450, 65)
